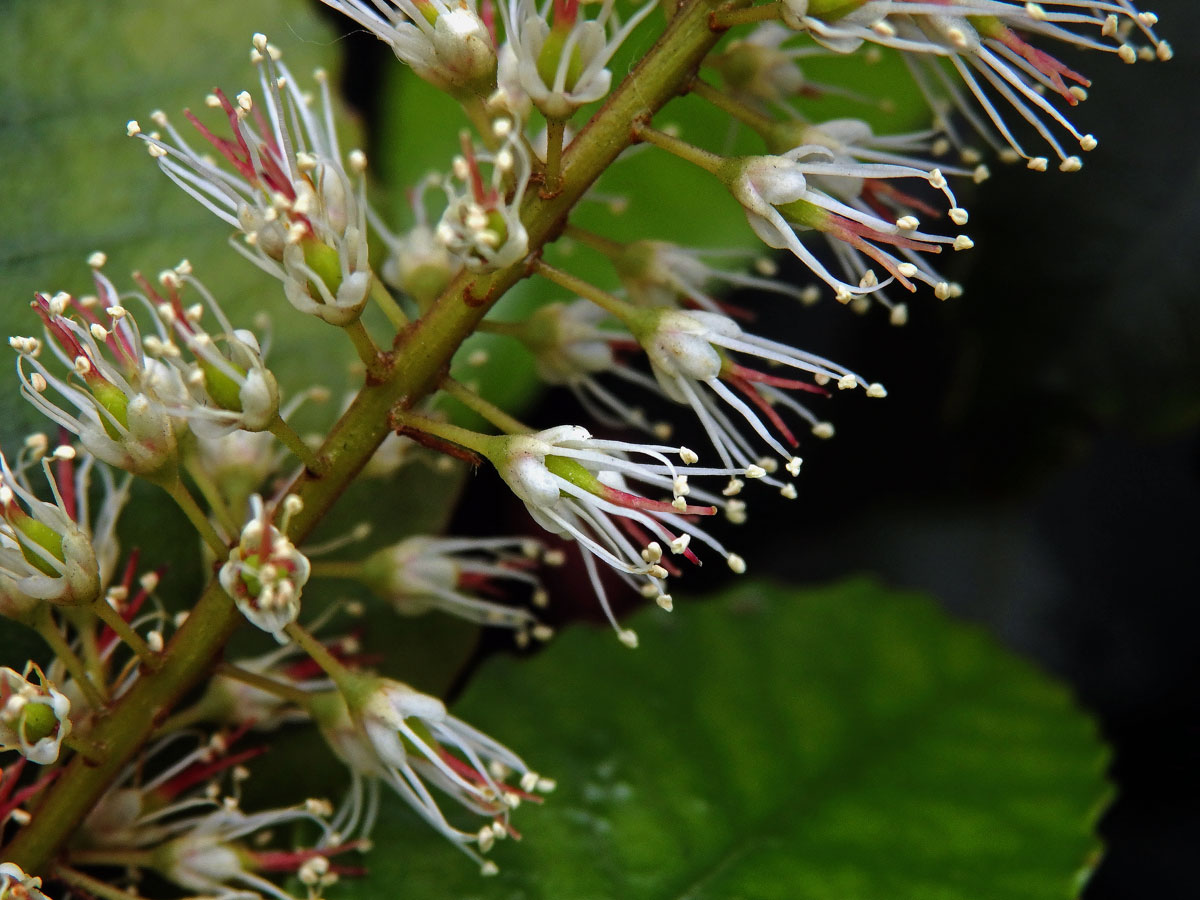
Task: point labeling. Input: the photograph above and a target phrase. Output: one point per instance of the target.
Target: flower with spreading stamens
(560, 57)
(265, 572)
(300, 208)
(210, 857)
(119, 395)
(455, 575)
(482, 223)
(786, 193)
(34, 718)
(690, 354)
(418, 263)
(575, 486)
(446, 42)
(59, 552)
(985, 43)
(386, 730)
(229, 387)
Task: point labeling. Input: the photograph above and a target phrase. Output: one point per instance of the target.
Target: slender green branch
(263, 683)
(484, 407)
(555, 134)
(186, 502)
(710, 162)
(364, 346)
(422, 356)
(141, 859)
(89, 885)
(288, 437)
(731, 105)
(45, 625)
(91, 750)
(610, 303)
(125, 632)
(211, 493)
(455, 434)
(339, 568)
(385, 301)
(607, 246)
(330, 664)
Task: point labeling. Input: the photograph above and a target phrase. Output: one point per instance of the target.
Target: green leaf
(845, 742)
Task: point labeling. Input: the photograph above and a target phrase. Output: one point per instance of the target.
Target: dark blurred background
(1036, 466)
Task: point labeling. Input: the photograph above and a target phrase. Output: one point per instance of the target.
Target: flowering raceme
(161, 380)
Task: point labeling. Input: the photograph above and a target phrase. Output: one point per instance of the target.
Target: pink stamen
(633, 501)
(1045, 63)
(775, 381)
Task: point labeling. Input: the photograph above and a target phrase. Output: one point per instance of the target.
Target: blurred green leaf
(846, 742)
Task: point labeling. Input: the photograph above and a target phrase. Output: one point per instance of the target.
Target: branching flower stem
(484, 407)
(421, 358)
(48, 629)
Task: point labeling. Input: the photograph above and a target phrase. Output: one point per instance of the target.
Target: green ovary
(327, 264)
(37, 721)
(549, 58)
(44, 536)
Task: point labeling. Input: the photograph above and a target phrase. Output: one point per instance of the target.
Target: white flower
(482, 222)
(265, 572)
(659, 273)
(984, 41)
(227, 385)
(454, 575)
(446, 42)
(57, 551)
(560, 58)
(690, 356)
(417, 264)
(799, 190)
(16, 885)
(115, 390)
(392, 732)
(299, 207)
(575, 486)
(759, 70)
(34, 718)
(209, 857)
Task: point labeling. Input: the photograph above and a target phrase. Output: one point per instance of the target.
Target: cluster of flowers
(188, 398)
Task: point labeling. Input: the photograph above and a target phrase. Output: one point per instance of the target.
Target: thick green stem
(728, 18)
(422, 357)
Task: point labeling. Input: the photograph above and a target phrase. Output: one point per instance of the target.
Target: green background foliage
(848, 743)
